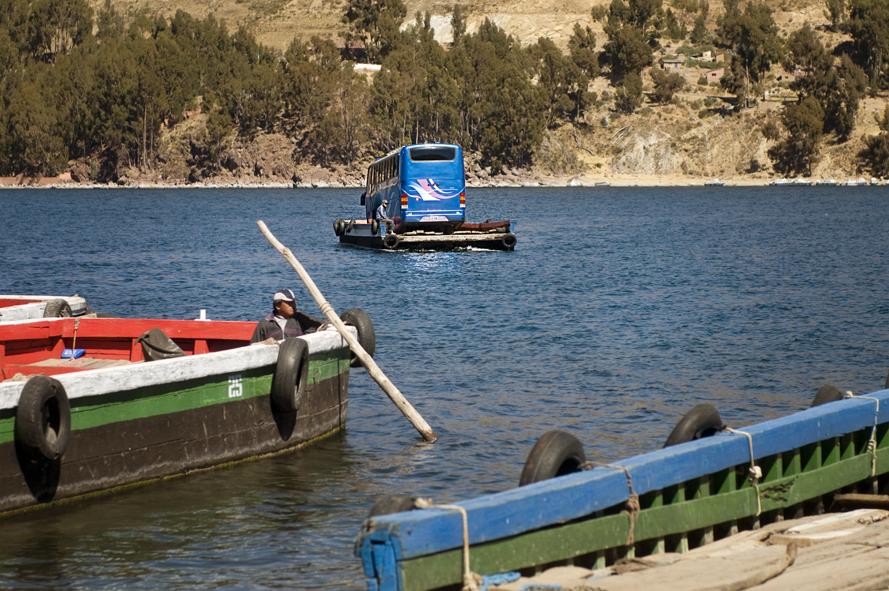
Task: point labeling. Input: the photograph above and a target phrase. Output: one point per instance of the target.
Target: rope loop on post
(872, 442)
(632, 507)
(470, 579)
(754, 473)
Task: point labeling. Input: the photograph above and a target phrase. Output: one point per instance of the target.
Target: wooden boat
(671, 500)
(93, 404)
(24, 307)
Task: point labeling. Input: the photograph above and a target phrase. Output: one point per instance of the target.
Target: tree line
(90, 86)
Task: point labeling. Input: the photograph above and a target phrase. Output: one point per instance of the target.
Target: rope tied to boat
(74, 340)
(754, 473)
(632, 507)
(470, 579)
(872, 442)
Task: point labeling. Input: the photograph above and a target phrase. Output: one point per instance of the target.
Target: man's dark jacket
(297, 326)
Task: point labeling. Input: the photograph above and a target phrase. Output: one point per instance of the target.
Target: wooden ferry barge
(93, 404)
(671, 500)
(489, 236)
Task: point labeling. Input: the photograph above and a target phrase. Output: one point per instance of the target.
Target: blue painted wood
(512, 512)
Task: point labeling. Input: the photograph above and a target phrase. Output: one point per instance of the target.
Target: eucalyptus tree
(752, 38)
(798, 152)
(564, 84)
(377, 24)
(503, 110)
(582, 49)
(838, 87)
(869, 27)
(875, 157)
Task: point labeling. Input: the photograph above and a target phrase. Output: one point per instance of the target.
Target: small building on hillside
(714, 76)
(672, 63)
(353, 50)
(703, 56)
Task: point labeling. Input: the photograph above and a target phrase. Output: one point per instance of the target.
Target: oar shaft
(372, 368)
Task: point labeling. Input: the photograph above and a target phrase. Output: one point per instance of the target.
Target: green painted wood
(90, 412)
(598, 534)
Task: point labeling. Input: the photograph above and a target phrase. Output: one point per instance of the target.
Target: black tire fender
(827, 393)
(367, 337)
(339, 226)
(392, 504)
(701, 421)
(58, 308)
(374, 227)
(349, 226)
(43, 419)
(391, 241)
(291, 378)
(556, 453)
(508, 241)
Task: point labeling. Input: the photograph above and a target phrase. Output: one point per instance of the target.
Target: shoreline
(508, 181)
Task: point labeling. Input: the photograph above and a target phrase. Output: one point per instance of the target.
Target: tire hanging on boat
(556, 453)
(374, 227)
(827, 393)
(43, 419)
(58, 308)
(392, 504)
(291, 378)
(701, 421)
(391, 241)
(367, 338)
(339, 226)
(508, 241)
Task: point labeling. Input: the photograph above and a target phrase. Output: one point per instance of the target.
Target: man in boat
(383, 218)
(283, 321)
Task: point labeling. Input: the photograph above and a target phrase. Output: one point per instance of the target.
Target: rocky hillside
(694, 139)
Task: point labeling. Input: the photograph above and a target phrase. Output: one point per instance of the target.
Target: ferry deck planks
(829, 552)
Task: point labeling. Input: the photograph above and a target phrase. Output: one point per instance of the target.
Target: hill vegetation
(639, 88)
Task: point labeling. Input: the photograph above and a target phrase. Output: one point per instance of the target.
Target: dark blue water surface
(618, 311)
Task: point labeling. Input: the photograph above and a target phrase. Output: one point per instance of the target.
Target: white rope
(470, 579)
(754, 474)
(872, 443)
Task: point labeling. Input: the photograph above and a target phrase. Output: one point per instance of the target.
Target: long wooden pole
(372, 368)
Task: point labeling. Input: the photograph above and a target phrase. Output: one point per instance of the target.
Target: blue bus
(425, 185)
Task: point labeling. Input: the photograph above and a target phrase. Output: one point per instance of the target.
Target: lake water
(620, 309)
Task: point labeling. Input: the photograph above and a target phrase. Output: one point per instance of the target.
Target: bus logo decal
(429, 190)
